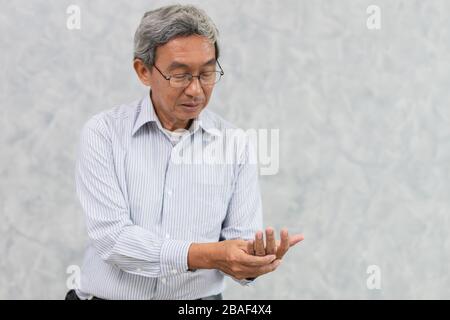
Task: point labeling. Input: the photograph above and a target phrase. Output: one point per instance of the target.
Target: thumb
(296, 239)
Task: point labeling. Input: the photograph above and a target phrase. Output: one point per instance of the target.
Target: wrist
(203, 255)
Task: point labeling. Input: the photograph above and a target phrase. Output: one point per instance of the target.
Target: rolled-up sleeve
(117, 240)
(244, 216)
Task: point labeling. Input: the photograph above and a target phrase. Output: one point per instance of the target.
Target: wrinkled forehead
(188, 52)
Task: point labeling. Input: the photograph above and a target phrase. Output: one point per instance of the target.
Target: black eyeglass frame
(221, 73)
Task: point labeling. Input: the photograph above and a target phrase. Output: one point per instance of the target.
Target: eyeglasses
(182, 80)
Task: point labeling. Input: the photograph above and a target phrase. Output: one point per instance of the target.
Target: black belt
(213, 297)
(72, 295)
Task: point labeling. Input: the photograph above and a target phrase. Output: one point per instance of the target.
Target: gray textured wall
(364, 136)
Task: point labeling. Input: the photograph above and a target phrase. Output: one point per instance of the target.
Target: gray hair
(159, 26)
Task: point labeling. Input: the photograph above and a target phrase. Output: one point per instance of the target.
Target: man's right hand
(235, 261)
(232, 258)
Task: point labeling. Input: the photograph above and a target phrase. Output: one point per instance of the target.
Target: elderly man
(158, 228)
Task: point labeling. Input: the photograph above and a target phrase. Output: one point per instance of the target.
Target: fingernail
(278, 262)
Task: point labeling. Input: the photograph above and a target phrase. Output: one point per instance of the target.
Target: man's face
(193, 54)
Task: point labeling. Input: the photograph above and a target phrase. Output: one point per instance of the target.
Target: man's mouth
(191, 106)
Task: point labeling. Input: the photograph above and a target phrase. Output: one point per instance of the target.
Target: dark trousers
(71, 295)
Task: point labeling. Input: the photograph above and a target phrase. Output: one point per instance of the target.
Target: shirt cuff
(174, 257)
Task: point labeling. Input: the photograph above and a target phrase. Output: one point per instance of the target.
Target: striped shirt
(143, 209)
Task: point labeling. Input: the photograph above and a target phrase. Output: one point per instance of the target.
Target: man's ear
(142, 72)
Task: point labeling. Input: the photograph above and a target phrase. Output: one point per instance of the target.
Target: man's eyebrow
(210, 62)
(176, 64)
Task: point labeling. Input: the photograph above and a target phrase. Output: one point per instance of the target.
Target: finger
(259, 244)
(293, 240)
(269, 268)
(251, 247)
(284, 244)
(270, 241)
(255, 261)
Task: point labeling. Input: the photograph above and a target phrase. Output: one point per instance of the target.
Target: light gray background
(364, 127)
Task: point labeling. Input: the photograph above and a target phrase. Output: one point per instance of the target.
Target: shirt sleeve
(244, 216)
(117, 240)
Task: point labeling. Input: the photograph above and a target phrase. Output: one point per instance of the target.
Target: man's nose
(194, 88)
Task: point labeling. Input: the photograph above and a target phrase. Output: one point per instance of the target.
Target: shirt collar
(146, 113)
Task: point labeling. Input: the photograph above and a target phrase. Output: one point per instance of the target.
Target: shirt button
(163, 280)
(174, 271)
(138, 269)
(167, 236)
(169, 192)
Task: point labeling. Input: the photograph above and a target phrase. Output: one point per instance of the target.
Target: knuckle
(231, 258)
(235, 269)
